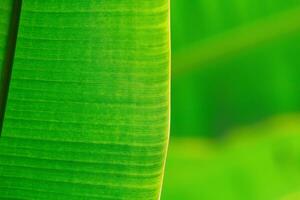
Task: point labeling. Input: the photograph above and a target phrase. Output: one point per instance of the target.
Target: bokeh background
(235, 128)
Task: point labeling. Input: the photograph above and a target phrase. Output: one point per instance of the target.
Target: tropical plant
(87, 111)
(234, 62)
(256, 162)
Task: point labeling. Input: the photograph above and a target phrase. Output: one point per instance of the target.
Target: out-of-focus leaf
(259, 162)
(239, 62)
(230, 43)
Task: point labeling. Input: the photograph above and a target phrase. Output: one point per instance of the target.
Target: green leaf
(234, 62)
(5, 14)
(9, 28)
(258, 162)
(87, 113)
(283, 25)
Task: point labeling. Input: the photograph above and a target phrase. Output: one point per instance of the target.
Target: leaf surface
(87, 114)
(5, 14)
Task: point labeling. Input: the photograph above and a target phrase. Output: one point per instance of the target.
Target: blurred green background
(235, 128)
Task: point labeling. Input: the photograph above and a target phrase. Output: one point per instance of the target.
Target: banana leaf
(234, 62)
(87, 112)
(257, 162)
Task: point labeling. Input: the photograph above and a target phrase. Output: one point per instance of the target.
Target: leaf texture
(87, 114)
(5, 15)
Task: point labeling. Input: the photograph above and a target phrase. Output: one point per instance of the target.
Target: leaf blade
(90, 87)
